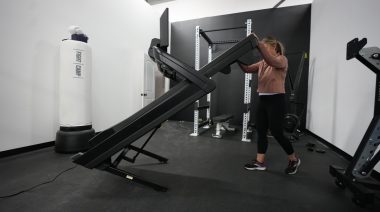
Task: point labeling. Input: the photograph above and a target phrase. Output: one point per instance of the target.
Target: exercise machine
(293, 118)
(222, 124)
(221, 121)
(356, 176)
(191, 86)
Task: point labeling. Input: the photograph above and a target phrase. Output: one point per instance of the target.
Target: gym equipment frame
(206, 124)
(293, 118)
(191, 86)
(356, 176)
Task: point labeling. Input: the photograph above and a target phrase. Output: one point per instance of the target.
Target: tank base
(73, 141)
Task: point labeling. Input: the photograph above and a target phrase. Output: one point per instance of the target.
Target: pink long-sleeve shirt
(271, 71)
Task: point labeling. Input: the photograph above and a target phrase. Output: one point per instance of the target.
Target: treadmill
(108, 147)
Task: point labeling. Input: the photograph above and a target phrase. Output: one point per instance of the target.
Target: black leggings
(270, 114)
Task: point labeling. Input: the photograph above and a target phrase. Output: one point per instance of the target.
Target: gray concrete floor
(202, 174)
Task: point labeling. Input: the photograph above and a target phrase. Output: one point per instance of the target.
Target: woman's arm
(251, 68)
(275, 61)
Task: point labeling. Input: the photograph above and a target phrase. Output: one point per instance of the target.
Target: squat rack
(247, 82)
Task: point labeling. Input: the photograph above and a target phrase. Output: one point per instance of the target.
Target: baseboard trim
(20, 150)
(25, 149)
(374, 174)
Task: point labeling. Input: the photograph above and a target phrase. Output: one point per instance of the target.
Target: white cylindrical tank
(74, 95)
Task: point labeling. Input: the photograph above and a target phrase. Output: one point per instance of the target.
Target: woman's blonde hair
(279, 47)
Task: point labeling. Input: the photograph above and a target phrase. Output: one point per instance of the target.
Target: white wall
(180, 10)
(31, 30)
(341, 92)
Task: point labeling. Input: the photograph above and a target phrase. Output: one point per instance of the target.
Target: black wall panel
(291, 25)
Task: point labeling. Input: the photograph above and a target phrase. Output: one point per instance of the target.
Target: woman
(271, 106)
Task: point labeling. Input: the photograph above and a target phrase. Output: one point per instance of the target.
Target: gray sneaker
(293, 166)
(255, 165)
